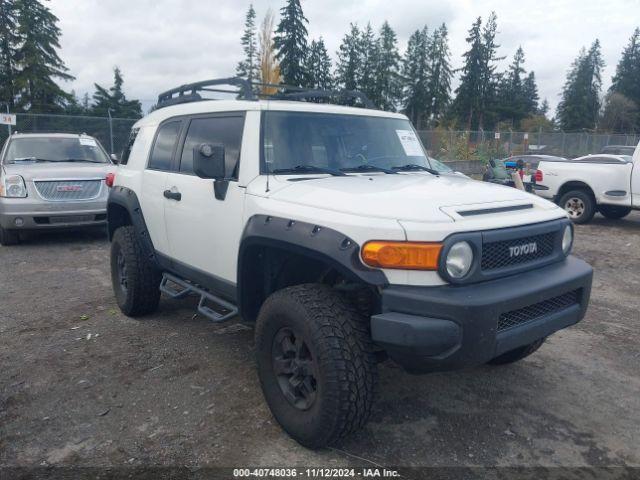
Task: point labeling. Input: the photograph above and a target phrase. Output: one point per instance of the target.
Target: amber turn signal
(402, 255)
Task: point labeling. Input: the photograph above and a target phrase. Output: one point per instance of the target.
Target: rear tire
(316, 363)
(614, 212)
(9, 237)
(579, 205)
(135, 280)
(517, 354)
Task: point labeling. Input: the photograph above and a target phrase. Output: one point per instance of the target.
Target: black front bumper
(428, 329)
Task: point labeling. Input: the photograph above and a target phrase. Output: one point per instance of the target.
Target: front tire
(135, 280)
(9, 237)
(316, 363)
(579, 205)
(614, 212)
(517, 354)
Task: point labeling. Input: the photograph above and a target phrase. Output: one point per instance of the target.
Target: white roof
(620, 158)
(218, 106)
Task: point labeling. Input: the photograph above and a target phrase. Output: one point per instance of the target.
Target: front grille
(502, 254)
(68, 190)
(529, 313)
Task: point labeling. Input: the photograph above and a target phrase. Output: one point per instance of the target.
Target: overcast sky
(159, 44)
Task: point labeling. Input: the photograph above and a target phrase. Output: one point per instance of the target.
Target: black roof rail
(189, 92)
(248, 91)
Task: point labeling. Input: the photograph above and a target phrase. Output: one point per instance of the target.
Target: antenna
(266, 164)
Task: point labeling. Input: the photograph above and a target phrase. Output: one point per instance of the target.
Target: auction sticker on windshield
(410, 143)
(88, 142)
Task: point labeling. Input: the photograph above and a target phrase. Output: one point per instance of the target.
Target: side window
(224, 130)
(164, 146)
(124, 158)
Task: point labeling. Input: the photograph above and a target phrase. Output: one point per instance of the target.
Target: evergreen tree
(416, 101)
(249, 66)
(530, 93)
(626, 81)
(8, 45)
(513, 103)
(388, 84)
(114, 99)
(439, 73)
(290, 42)
(369, 51)
(318, 66)
(38, 59)
(349, 66)
(544, 108)
(580, 103)
(488, 78)
(74, 106)
(467, 104)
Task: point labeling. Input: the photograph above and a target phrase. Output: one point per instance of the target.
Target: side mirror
(114, 158)
(492, 163)
(208, 161)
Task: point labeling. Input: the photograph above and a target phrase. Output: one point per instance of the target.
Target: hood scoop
(487, 211)
(474, 211)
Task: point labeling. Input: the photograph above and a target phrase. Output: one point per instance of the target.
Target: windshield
(55, 149)
(299, 142)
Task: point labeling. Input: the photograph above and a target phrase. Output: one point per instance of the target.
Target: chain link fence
(112, 133)
(482, 146)
(441, 144)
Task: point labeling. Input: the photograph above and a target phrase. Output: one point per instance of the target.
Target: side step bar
(219, 311)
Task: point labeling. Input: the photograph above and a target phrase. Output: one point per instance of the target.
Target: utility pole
(110, 129)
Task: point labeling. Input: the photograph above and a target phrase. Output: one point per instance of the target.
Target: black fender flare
(315, 241)
(126, 198)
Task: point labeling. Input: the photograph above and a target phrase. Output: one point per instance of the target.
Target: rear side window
(226, 130)
(164, 146)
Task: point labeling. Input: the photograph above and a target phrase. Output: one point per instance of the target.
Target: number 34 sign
(7, 119)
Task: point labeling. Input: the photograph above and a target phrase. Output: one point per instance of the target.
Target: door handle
(177, 196)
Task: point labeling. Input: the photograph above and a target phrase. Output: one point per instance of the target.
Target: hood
(58, 171)
(413, 197)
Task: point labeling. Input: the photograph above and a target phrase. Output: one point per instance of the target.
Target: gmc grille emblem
(69, 188)
(525, 249)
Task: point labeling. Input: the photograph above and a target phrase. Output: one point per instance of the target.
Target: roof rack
(247, 90)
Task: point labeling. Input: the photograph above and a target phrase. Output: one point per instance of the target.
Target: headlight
(567, 239)
(13, 186)
(459, 260)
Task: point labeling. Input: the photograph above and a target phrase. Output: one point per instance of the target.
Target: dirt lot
(82, 384)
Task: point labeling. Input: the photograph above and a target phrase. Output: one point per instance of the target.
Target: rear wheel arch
(123, 209)
(575, 185)
(118, 216)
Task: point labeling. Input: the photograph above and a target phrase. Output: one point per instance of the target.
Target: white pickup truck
(609, 184)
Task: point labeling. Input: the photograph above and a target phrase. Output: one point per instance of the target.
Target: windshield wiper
(30, 159)
(368, 168)
(309, 169)
(414, 166)
(79, 160)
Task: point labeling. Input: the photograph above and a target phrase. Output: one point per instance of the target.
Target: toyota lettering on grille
(524, 249)
(69, 188)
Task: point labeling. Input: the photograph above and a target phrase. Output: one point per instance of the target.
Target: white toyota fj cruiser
(327, 228)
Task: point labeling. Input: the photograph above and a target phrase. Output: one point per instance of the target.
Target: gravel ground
(83, 385)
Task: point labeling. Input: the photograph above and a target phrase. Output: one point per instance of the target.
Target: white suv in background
(326, 228)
